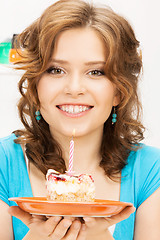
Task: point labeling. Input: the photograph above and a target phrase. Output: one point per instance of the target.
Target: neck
(86, 151)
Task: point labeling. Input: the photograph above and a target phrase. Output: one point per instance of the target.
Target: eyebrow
(86, 63)
(95, 62)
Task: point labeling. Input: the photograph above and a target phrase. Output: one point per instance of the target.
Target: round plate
(41, 206)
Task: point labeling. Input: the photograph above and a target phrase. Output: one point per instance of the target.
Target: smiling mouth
(74, 109)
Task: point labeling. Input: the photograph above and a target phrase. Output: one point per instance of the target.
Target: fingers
(127, 212)
(77, 231)
(54, 227)
(106, 222)
(69, 230)
(38, 223)
(61, 229)
(47, 227)
(73, 231)
(90, 221)
(82, 233)
(122, 215)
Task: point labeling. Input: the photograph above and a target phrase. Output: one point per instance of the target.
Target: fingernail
(67, 223)
(57, 219)
(83, 227)
(69, 218)
(87, 219)
(76, 225)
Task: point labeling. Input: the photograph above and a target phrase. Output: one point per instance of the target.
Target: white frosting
(72, 185)
(62, 187)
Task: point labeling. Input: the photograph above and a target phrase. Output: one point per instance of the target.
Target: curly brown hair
(123, 67)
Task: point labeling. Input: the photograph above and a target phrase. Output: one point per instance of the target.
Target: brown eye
(55, 71)
(96, 73)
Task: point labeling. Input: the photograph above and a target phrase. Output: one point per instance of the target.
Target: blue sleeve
(4, 179)
(149, 174)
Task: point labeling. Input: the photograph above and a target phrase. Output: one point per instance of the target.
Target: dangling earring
(114, 116)
(38, 115)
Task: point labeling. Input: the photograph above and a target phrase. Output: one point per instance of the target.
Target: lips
(74, 109)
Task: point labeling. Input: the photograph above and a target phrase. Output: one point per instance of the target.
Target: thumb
(124, 214)
(17, 212)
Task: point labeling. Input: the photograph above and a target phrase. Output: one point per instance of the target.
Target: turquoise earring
(38, 115)
(114, 116)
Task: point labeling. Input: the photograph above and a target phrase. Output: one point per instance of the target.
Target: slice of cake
(62, 187)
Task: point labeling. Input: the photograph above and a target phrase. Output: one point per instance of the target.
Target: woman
(82, 68)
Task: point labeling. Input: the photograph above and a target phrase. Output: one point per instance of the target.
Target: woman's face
(74, 93)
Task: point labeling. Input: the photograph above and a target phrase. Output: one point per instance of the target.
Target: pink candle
(70, 169)
(71, 152)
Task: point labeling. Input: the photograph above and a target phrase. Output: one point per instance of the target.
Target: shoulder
(149, 151)
(144, 169)
(7, 139)
(8, 148)
(143, 162)
(7, 143)
(144, 156)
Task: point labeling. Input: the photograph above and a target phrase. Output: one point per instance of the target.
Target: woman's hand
(99, 226)
(58, 228)
(52, 228)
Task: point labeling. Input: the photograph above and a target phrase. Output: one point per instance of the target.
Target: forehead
(79, 42)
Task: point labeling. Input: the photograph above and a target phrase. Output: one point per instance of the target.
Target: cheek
(41, 89)
(105, 94)
(46, 91)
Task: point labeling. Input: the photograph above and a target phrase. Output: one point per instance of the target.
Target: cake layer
(62, 187)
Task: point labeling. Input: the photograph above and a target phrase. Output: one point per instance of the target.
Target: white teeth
(63, 108)
(70, 109)
(66, 109)
(80, 108)
(74, 109)
(84, 108)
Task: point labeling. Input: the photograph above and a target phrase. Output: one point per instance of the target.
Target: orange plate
(41, 206)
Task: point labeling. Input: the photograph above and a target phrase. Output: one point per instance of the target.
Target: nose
(75, 85)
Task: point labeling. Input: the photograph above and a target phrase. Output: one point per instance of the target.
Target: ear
(117, 98)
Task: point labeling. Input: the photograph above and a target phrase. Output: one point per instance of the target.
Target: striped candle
(70, 169)
(71, 152)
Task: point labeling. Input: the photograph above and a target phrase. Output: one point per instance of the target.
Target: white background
(144, 16)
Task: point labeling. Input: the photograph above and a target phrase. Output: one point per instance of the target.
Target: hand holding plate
(51, 228)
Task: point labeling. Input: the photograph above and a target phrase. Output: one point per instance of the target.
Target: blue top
(140, 178)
